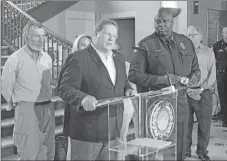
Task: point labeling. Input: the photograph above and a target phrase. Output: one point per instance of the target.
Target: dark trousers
(221, 84)
(182, 124)
(203, 112)
(182, 128)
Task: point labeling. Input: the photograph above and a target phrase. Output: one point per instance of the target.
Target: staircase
(13, 20)
(43, 10)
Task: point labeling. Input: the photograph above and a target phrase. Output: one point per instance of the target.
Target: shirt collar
(201, 46)
(31, 53)
(109, 54)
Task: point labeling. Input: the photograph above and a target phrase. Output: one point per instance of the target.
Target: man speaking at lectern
(172, 53)
(94, 73)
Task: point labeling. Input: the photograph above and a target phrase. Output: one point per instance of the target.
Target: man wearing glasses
(172, 52)
(26, 85)
(200, 95)
(94, 73)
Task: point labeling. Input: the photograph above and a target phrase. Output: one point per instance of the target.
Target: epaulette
(147, 37)
(182, 35)
(117, 52)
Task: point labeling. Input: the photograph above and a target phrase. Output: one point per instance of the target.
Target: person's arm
(137, 71)
(212, 72)
(214, 47)
(52, 81)
(9, 75)
(195, 74)
(69, 83)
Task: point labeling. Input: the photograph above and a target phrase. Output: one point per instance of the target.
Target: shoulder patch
(148, 37)
(182, 45)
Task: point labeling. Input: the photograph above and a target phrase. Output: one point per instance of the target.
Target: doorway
(126, 37)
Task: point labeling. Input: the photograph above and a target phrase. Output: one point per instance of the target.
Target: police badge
(182, 46)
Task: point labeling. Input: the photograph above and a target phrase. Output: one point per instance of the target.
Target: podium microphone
(147, 51)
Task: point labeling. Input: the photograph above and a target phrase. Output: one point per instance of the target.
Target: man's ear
(173, 22)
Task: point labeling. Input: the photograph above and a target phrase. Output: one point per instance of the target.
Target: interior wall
(57, 23)
(144, 10)
(126, 37)
(200, 19)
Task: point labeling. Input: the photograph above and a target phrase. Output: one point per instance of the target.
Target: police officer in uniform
(172, 52)
(220, 51)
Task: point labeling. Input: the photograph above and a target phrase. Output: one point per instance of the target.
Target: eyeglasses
(110, 35)
(165, 21)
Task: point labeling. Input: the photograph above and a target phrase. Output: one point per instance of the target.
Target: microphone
(147, 51)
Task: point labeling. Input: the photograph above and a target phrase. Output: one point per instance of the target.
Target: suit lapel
(94, 55)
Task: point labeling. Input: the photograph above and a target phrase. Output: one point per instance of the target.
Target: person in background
(200, 95)
(168, 52)
(26, 86)
(220, 51)
(81, 42)
(97, 72)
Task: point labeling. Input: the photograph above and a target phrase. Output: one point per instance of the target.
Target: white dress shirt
(109, 63)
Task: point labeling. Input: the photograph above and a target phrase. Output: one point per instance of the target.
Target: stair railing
(27, 5)
(13, 20)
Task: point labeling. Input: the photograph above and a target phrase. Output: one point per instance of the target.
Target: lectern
(155, 113)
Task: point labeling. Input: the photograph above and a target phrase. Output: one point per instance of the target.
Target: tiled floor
(218, 142)
(217, 147)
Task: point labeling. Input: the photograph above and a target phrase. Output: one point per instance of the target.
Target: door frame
(81, 15)
(120, 15)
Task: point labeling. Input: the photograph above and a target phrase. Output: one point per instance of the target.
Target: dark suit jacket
(85, 74)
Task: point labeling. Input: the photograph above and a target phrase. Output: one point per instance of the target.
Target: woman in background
(81, 42)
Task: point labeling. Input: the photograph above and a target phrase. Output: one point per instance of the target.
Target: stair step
(10, 121)
(4, 50)
(11, 157)
(5, 56)
(8, 149)
(58, 103)
(7, 125)
(8, 141)
(55, 99)
(4, 47)
(3, 60)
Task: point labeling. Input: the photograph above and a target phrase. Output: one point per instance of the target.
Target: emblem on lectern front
(161, 120)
